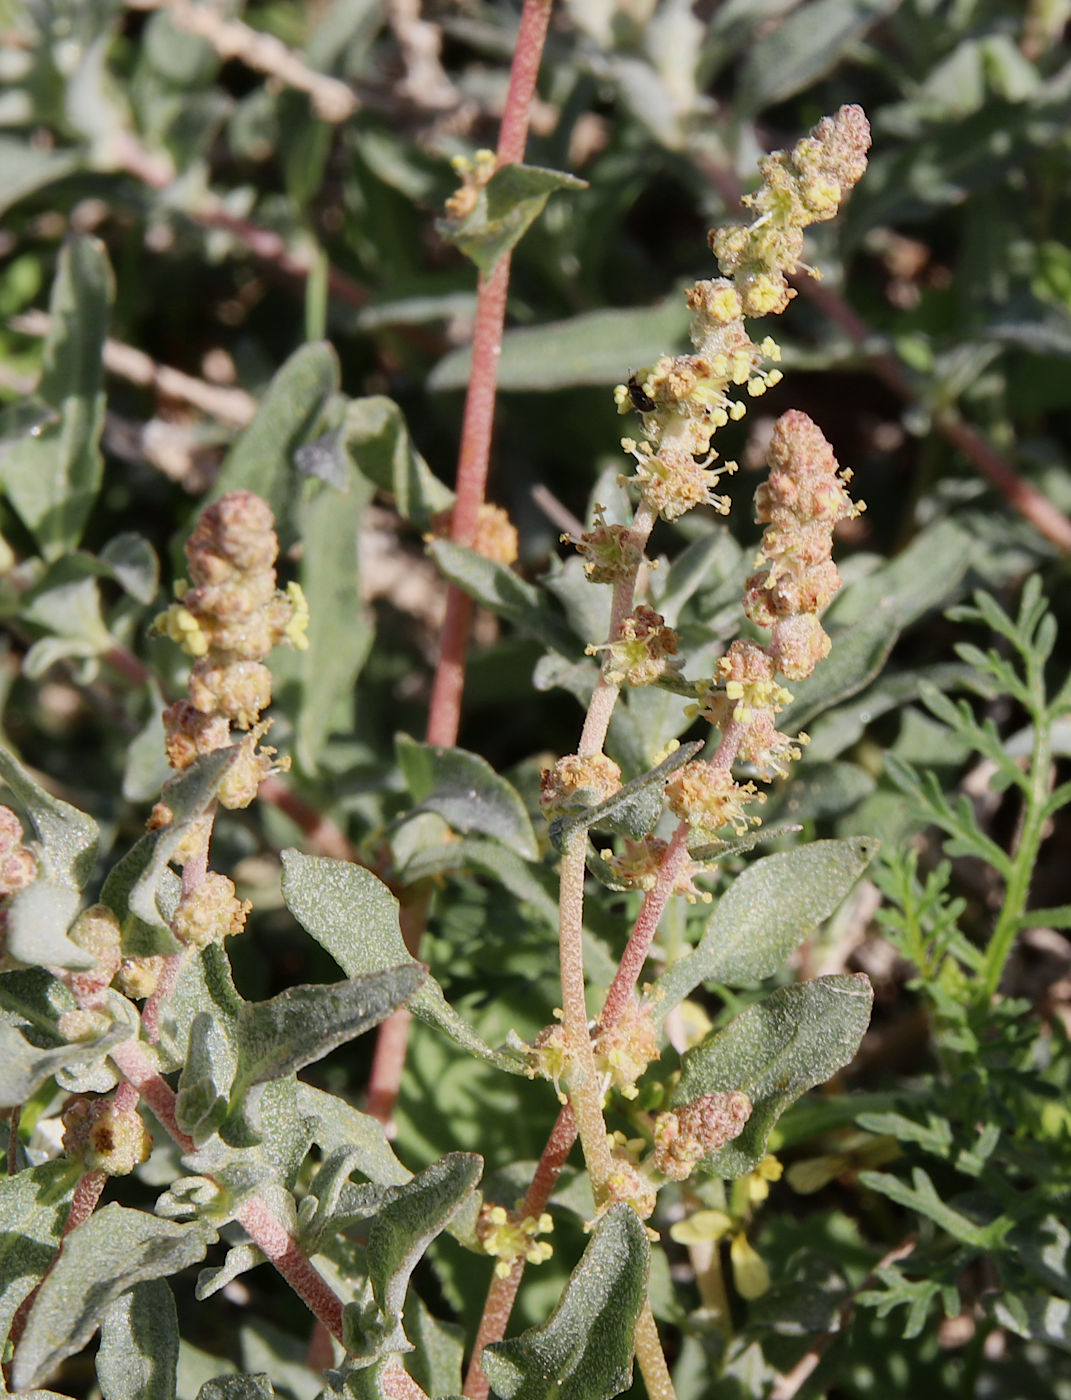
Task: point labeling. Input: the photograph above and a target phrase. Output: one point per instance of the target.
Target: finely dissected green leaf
(922, 1196)
(237, 1387)
(106, 1255)
(466, 791)
(33, 1209)
(142, 888)
(804, 47)
(377, 440)
(635, 808)
(139, 1345)
(52, 476)
(773, 1052)
(303, 1024)
(355, 917)
(768, 910)
(506, 207)
(591, 348)
(403, 1227)
(68, 837)
(262, 458)
(584, 1351)
(500, 589)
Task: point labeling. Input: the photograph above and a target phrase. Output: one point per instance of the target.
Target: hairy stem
(474, 455)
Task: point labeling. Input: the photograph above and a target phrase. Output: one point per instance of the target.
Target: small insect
(643, 403)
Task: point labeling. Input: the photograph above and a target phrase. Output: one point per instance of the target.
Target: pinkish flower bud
(699, 1129)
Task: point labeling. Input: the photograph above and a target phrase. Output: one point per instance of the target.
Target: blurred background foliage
(265, 177)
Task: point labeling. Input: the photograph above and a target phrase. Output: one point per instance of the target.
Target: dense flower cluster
(643, 649)
(105, 1138)
(18, 864)
(624, 1050)
(575, 783)
(682, 1138)
(229, 618)
(495, 537)
(510, 1237)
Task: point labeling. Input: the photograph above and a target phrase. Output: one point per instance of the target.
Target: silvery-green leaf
(773, 1052)
(33, 1209)
(68, 837)
(106, 1255)
(506, 594)
(410, 1218)
(506, 206)
(132, 562)
(139, 1344)
(584, 1351)
(240, 1258)
(767, 912)
(466, 791)
(336, 1124)
(40, 916)
(376, 439)
(262, 458)
(237, 1387)
(355, 917)
(52, 476)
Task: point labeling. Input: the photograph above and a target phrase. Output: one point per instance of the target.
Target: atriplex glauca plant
(250, 1154)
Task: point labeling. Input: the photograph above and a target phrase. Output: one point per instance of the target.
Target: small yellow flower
(750, 1274)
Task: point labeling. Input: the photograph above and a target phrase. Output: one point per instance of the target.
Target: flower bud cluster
(495, 537)
(18, 864)
(624, 1050)
(210, 913)
(105, 1138)
(683, 400)
(643, 649)
(575, 783)
(799, 187)
(509, 1236)
(474, 173)
(229, 618)
(611, 552)
(685, 1136)
(637, 864)
(800, 504)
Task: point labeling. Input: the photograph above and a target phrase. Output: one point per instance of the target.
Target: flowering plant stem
(474, 455)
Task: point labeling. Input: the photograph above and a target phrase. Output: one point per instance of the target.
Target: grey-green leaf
(767, 912)
(398, 1238)
(303, 1024)
(139, 1345)
(355, 917)
(102, 1258)
(466, 791)
(584, 1351)
(775, 1051)
(262, 458)
(237, 1387)
(53, 475)
(33, 1209)
(376, 438)
(510, 597)
(588, 349)
(68, 837)
(505, 209)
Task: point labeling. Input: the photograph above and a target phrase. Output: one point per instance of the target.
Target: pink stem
(474, 455)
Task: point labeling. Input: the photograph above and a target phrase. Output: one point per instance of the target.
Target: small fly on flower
(641, 402)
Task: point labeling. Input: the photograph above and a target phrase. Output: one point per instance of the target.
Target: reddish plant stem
(274, 1241)
(503, 1291)
(474, 455)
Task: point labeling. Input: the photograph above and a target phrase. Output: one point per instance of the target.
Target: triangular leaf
(466, 791)
(768, 910)
(773, 1052)
(584, 1351)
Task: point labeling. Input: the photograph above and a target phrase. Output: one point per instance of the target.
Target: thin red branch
(474, 455)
